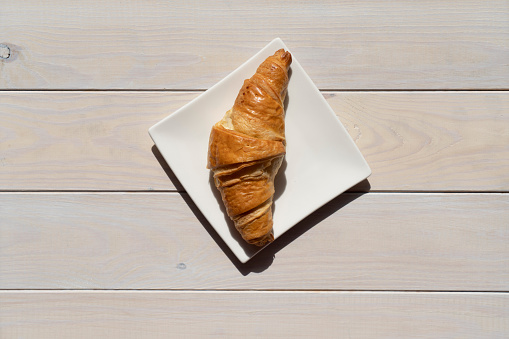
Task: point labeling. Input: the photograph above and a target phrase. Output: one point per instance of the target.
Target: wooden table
(99, 240)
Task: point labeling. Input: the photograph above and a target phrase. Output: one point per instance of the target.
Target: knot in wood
(5, 51)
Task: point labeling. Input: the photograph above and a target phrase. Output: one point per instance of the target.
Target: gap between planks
(197, 90)
(402, 192)
(229, 291)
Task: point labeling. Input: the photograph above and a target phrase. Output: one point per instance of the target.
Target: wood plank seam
(197, 90)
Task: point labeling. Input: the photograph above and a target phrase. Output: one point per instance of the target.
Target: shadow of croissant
(264, 259)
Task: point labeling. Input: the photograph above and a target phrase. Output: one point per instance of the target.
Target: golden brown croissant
(247, 146)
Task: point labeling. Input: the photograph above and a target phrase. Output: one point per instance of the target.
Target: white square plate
(322, 161)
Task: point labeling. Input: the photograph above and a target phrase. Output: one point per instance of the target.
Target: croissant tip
(286, 56)
(265, 240)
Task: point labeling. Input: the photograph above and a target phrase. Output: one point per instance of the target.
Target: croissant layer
(230, 147)
(247, 147)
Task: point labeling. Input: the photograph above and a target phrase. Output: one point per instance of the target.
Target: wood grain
(375, 241)
(191, 45)
(83, 140)
(253, 315)
(430, 141)
(413, 141)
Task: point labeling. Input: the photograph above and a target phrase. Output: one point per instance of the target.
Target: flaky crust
(247, 146)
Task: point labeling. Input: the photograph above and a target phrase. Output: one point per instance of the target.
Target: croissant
(247, 147)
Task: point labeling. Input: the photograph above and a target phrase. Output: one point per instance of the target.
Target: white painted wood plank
(342, 44)
(375, 241)
(96, 314)
(85, 140)
(442, 141)
(430, 141)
